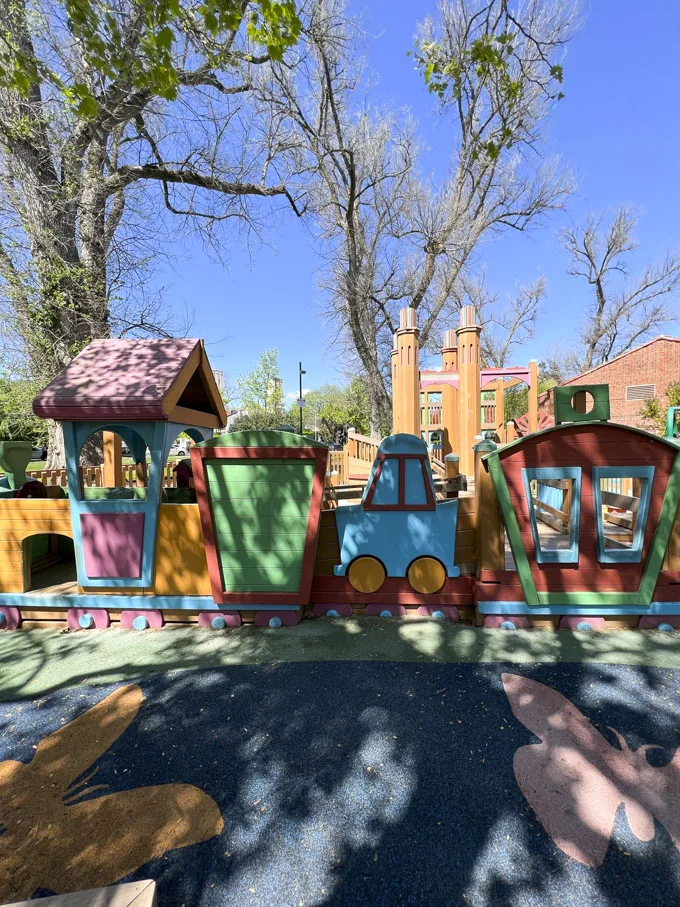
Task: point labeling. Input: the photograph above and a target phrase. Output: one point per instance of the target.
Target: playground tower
(469, 393)
(451, 406)
(406, 403)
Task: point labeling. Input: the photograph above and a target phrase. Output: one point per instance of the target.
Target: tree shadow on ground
(368, 783)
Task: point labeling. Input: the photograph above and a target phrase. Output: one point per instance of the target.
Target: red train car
(587, 525)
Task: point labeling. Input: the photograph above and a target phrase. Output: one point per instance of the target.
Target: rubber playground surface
(343, 762)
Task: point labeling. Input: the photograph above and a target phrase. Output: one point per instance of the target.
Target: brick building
(633, 377)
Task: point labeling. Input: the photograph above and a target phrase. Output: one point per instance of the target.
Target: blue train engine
(397, 546)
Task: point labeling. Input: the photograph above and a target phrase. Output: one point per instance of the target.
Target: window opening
(553, 497)
(622, 495)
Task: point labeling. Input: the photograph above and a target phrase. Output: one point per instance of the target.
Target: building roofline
(635, 349)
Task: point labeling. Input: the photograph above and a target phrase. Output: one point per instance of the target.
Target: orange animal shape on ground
(575, 781)
(51, 837)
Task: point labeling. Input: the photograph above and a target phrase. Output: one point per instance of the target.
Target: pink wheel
(440, 612)
(662, 621)
(82, 619)
(141, 620)
(503, 622)
(582, 623)
(385, 611)
(326, 610)
(219, 620)
(10, 618)
(276, 619)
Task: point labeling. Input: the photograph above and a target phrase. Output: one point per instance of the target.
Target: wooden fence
(93, 476)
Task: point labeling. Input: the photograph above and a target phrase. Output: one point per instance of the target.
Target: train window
(387, 487)
(621, 495)
(414, 493)
(553, 497)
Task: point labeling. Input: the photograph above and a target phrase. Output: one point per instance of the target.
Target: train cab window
(386, 491)
(621, 495)
(400, 483)
(414, 488)
(553, 496)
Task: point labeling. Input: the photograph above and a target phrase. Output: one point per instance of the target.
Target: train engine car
(397, 546)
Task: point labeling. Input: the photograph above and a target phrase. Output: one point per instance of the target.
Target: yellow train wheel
(366, 574)
(426, 575)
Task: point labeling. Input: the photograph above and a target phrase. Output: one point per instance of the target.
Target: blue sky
(618, 127)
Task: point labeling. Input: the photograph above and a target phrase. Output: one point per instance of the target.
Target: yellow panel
(181, 566)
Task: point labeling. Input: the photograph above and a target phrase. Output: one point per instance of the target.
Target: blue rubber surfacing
(371, 783)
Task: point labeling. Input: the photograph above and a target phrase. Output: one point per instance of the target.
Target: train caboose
(588, 513)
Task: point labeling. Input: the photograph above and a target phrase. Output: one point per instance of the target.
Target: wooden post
(490, 531)
(500, 408)
(510, 432)
(140, 470)
(113, 460)
(396, 399)
(469, 394)
(452, 465)
(533, 396)
(406, 400)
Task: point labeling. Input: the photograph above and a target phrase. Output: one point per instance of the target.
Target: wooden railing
(488, 415)
(434, 414)
(362, 448)
(93, 476)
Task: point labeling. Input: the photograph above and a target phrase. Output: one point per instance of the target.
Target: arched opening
(123, 475)
(49, 564)
(178, 478)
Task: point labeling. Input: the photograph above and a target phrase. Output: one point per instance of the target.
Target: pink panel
(112, 544)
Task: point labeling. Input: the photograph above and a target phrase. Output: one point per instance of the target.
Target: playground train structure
(576, 525)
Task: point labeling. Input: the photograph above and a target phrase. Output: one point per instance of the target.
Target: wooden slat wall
(20, 518)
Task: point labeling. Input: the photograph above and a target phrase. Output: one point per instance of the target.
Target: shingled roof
(133, 380)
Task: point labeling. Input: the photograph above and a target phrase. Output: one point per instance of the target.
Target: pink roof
(116, 379)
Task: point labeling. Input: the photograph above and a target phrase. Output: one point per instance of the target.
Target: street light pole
(302, 372)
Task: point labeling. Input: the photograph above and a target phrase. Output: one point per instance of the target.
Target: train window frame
(561, 555)
(632, 555)
(401, 497)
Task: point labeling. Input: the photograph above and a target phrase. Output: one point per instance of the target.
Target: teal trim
(566, 555)
(671, 425)
(632, 555)
(653, 609)
(511, 526)
(130, 602)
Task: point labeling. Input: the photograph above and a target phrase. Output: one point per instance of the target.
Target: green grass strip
(35, 663)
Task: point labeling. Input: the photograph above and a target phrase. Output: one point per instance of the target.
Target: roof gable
(133, 380)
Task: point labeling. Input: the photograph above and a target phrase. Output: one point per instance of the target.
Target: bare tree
(392, 237)
(78, 184)
(624, 311)
(505, 327)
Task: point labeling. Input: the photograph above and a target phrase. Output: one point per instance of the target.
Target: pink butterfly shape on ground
(575, 781)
